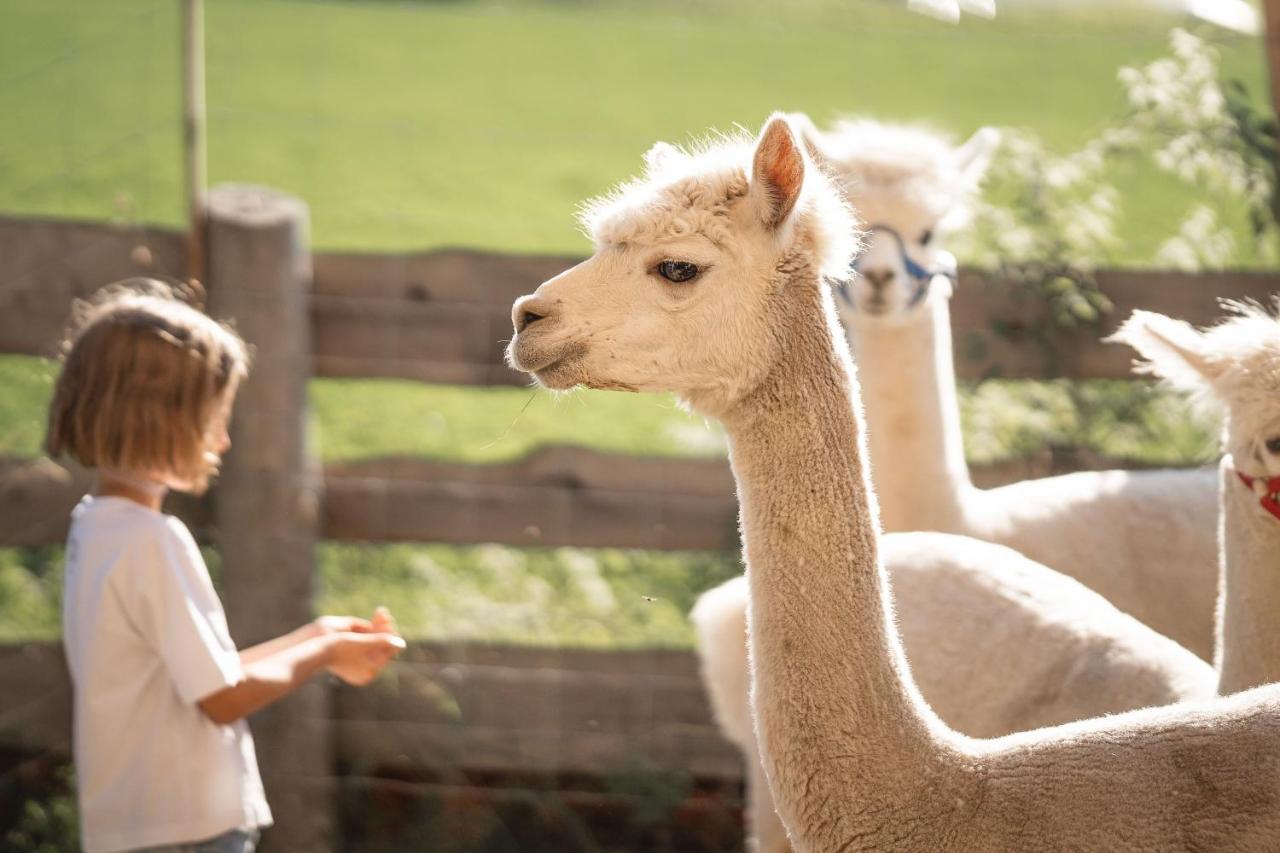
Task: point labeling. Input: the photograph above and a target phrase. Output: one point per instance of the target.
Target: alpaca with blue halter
(919, 276)
(1144, 540)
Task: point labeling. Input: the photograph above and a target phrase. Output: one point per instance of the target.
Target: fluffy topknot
(693, 190)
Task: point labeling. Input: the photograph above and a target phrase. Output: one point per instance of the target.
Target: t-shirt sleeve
(180, 615)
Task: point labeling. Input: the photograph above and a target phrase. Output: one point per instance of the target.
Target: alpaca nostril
(527, 311)
(528, 318)
(878, 279)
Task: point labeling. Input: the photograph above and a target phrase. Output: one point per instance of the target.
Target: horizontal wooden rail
(444, 316)
(460, 707)
(555, 496)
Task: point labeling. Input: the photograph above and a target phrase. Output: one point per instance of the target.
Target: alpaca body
(1249, 648)
(856, 759)
(998, 644)
(707, 280)
(1144, 540)
(1236, 366)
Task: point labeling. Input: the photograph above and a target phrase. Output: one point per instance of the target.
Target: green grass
(370, 418)
(605, 598)
(26, 384)
(30, 593)
(409, 125)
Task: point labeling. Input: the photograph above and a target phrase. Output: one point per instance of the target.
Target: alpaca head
(910, 187)
(1235, 364)
(681, 293)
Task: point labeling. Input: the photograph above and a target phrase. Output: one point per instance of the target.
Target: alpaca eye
(1273, 446)
(677, 271)
(926, 237)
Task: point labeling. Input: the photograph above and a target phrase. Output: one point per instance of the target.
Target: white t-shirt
(146, 638)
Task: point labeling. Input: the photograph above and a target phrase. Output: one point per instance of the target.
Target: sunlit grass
(411, 125)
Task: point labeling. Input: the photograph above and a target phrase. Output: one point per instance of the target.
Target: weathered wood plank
(37, 496)
(556, 496)
(519, 710)
(35, 698)
(46, 264)
(695, 750)
(999, 330)
(444, 315)
(441, 275)
(640, 809)
(514, 696)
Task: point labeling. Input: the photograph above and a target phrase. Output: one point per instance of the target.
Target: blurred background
(414, 129)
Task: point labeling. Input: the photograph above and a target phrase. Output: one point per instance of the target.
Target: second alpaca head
(910, 188)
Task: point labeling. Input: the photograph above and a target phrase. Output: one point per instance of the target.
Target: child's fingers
(383, 621)
(383, 645)
(352, 624)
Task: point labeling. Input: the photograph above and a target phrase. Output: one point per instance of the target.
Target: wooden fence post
(266, 504)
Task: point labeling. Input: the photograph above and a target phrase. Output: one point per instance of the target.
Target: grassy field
(416, 124)
(409, 125)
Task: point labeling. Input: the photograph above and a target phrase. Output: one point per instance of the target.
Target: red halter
(1266, 490)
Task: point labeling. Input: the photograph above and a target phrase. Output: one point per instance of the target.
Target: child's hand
(382, 623)
(357, 658)
(325, 625)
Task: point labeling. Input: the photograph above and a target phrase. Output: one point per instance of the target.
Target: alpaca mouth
(559, 375)
(552, 367)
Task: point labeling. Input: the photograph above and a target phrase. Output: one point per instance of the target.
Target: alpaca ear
(660, 156)
(1170, 349)
(777, 172)
(974, 157)
(804, 128)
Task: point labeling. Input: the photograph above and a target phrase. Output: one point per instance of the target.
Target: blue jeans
(235, 841)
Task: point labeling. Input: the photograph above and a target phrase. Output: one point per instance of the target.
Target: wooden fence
(449, 716)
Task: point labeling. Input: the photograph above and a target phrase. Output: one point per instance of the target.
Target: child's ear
(1170, 349)
(777, 172)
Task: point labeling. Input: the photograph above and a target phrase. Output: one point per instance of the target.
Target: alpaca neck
(834, 705)
(1249, 598)
(913, 418)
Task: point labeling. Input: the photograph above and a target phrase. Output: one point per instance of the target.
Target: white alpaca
(1144, 540)
(1236, 365)
(707, 280)
(998, 644)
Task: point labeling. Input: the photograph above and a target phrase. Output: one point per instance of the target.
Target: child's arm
(382, 623)
(318, 628)
(355, 658)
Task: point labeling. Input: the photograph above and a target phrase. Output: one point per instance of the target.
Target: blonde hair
(143, 379)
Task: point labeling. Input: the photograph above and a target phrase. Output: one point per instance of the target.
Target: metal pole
(193, 135)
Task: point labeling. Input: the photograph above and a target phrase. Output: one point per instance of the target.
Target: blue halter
(920, 277)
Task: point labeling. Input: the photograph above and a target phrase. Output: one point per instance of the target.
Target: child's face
(217, 441)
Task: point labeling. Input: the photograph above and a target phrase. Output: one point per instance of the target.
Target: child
(163, 755)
